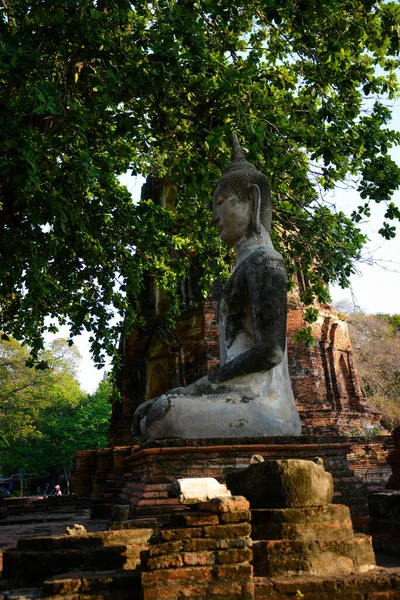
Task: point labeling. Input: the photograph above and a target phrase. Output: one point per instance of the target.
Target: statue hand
(215, 375)
(139, 414)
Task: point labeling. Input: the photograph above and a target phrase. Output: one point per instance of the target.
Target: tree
(376, 346)
(44, 415)
(91, 89)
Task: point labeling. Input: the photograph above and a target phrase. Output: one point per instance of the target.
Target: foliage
(44, 416)
(90, 89)
(376, 346)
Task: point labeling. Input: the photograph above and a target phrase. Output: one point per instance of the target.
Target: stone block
(235, 517)
(289, 483)
(167, 561)
(329, 557)
(187, 575)
(225, 505)
(89, 540)
(231, 531)
(198, 489)
(302, 523)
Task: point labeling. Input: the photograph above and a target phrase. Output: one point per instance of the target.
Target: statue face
(232, 217)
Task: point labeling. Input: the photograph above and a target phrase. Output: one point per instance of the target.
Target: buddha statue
(249, 394)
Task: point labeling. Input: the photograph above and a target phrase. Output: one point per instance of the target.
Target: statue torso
(234, 312)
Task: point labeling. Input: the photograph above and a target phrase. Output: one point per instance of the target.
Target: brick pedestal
(205, 553)
(166, 461)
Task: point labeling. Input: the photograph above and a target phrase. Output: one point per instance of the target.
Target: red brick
(224, 588)
(167, 535)
(228, 531)
(235, 517)
(234, 555)
(223, 505)
(167, 548)
(166, 561)
(198, 519)
(151, 494)
(187, 574)
(159, 592)
(242, 572)
(192, 559)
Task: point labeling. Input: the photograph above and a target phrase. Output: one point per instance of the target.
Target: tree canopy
(92, 89)
(44, 415)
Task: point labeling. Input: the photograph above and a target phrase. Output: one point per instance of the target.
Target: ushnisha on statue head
(241, 179)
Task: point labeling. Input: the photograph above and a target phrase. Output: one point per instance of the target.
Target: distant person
(57, 491)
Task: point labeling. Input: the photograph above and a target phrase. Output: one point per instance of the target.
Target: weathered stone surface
(305, 523)
(226, 505)
(90, 540)
(328, 557)
(373, 585)
(200, 489)
(283, 483)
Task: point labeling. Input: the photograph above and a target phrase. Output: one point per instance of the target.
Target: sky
(375, 287)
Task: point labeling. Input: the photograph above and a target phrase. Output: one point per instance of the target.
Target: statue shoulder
(266, 256)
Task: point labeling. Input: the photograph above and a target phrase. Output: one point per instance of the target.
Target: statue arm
(268, 303)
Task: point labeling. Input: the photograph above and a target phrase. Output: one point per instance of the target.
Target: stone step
(333, 556)
(90, 540)
(37, 558)
(304, 523)
(108, 584)
(31, 568)
(374, 585)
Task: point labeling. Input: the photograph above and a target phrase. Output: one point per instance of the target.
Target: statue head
(248, 185)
